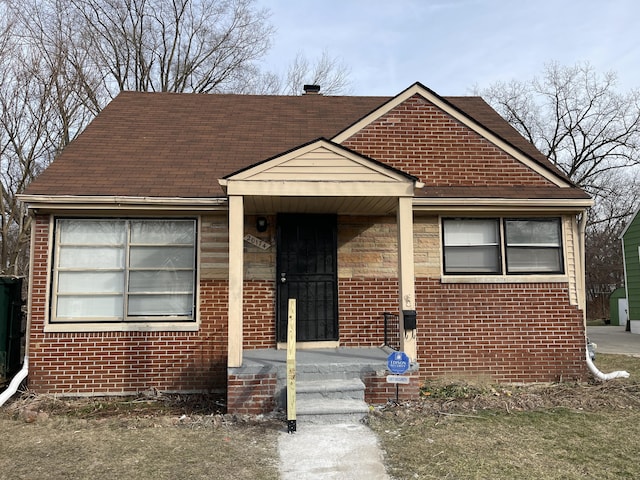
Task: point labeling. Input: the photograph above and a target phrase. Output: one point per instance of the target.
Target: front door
(307, 271)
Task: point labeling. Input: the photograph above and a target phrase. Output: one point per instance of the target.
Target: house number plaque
(257, 242)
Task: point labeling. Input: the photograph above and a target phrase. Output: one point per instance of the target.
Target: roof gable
(517, 147)
(320, 168)
(632, 224)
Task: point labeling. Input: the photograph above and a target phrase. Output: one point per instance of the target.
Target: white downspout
(15, 383)
(604, 376)
(24, 371)
(582, 226)
(582, 285)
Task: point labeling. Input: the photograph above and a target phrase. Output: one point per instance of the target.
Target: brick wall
(420, 139)
(252, 394)
(505, 332)
(259, 314)
(379, 391)
(501, 332)
(361, 303)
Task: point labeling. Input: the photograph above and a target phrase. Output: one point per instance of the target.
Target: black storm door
(307, 271)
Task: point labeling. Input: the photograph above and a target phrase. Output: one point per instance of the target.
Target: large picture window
(113, 270)
(511, 245)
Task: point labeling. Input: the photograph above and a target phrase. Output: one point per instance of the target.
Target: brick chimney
(311, 90)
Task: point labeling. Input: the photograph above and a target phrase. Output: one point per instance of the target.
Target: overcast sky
(452, 45)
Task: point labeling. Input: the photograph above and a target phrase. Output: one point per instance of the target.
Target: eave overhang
(477, 205)
(109, 203)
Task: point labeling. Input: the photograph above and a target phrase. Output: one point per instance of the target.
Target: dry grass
(169, 438)
(457, 431)
(569, 431)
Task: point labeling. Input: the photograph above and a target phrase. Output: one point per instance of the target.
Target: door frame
(280, 310)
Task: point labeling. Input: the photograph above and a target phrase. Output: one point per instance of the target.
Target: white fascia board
(455, 113)
(498, 204)
(320, 189)
(628, 225)
(96, 202)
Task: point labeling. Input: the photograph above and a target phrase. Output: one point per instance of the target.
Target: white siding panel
(321, 164)
(572, 259)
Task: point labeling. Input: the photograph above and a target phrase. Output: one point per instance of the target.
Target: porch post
(236, 267)
(406, 275)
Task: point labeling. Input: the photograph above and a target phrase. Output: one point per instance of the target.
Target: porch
(333, 383)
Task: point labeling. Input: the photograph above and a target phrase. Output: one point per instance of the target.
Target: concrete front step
(330, 401)
(324, 411)
(331, 389)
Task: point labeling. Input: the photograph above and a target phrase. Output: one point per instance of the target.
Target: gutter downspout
(15, 383)
(626, 283)
(604, 376)
(24, 371)
(582, 226)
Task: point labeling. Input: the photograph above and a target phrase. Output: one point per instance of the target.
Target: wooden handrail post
(291, 367)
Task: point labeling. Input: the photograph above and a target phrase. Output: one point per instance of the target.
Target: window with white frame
(115, 270)
(522, 246)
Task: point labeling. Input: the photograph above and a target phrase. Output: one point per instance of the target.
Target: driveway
(614, 339)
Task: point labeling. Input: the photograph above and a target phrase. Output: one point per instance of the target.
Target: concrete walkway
(331, 452)
(614, 339)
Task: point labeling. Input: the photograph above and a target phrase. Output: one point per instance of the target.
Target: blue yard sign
(398, 363)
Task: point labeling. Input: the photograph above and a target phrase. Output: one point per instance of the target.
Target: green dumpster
(11, 332)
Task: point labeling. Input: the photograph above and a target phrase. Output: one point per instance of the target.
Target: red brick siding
(422, 140)
(379, 391)
(125, 362)
(251, 394)
(361, 303)
(508, 333)
(259, 314)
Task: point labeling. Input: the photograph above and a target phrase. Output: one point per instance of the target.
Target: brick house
(169, 235)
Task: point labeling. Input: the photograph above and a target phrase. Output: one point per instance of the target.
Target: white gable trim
(320, 168)
(418, 89)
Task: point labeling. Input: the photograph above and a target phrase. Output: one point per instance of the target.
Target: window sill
(122, 327)
(504, 278)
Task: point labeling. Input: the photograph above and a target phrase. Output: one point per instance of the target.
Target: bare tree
(578, 119)
(28, 97)
(607, 220)
(331, 74)
(62, 61)
(200, 46)
(328, 72)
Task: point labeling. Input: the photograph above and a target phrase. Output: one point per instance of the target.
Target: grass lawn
(115, 439)
(458, 431)
(545, 432)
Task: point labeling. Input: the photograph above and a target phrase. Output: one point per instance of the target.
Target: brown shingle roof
(179, 145)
